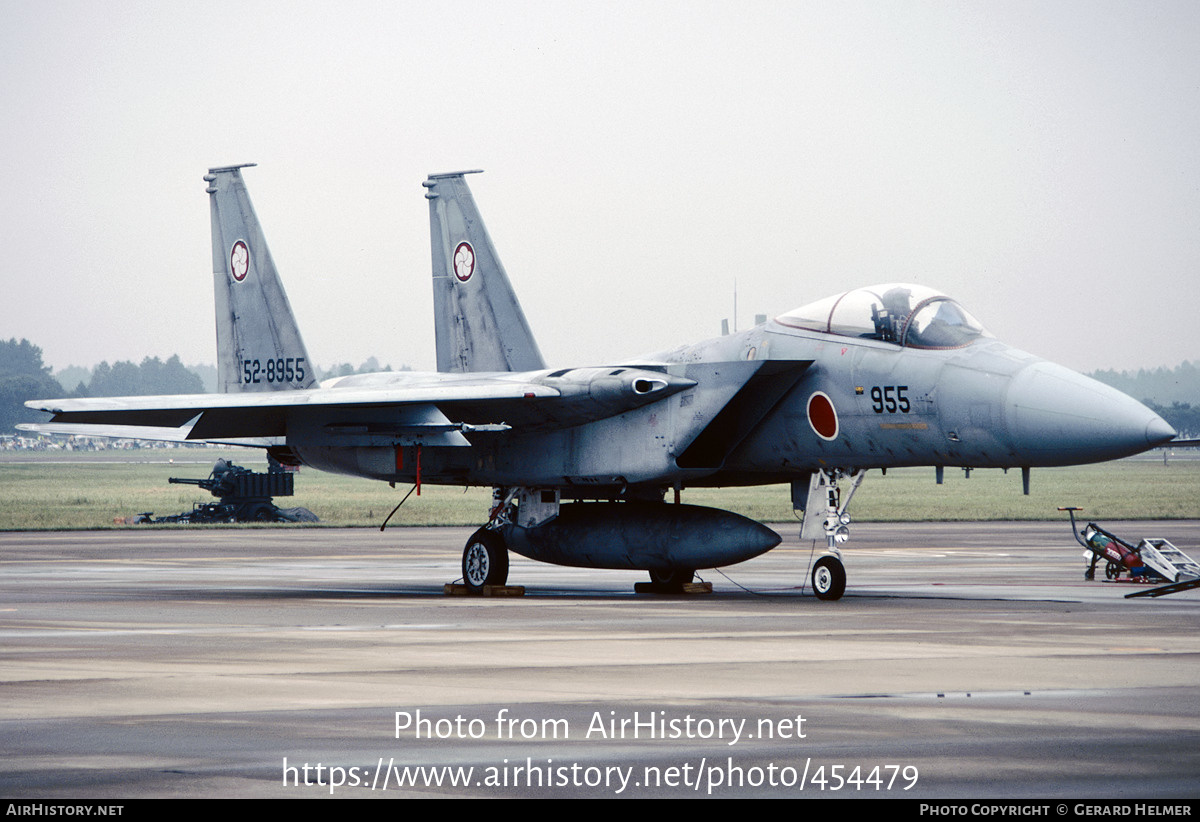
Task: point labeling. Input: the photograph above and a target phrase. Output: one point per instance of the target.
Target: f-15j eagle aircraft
(582, 459)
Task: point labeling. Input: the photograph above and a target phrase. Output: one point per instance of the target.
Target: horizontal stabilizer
(140, 432)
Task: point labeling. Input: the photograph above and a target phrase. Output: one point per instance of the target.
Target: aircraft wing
(404, 407)
(222, 417)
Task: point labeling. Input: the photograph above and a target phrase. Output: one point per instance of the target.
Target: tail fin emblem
(239, 260)
(464, 261)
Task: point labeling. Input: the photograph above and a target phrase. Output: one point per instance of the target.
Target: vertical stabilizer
(478, 321)
(258, 344)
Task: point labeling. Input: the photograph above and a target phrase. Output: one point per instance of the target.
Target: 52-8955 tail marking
(280, 370)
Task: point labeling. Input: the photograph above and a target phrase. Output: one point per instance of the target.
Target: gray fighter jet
(587, 463)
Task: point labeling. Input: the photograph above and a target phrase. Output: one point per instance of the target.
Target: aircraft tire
(485, 560)
(671, 577)
(829, 578)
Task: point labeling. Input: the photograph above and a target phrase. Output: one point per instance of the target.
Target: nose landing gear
(824, 514)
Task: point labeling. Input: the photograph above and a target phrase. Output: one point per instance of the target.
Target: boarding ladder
(1168, 561)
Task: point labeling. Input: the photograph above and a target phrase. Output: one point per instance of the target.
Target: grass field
(60, 490)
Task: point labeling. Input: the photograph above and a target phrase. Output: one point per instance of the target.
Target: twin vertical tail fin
(478, 321)
(259, 347)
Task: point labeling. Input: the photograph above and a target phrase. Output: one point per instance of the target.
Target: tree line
(24, 376)
(1172, 393)
(1163, 386)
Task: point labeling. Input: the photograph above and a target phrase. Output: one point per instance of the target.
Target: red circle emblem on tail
(239, 260)
(822, 416)
(464, 261)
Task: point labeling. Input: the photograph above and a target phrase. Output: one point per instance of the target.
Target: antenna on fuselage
(735, 305)
(725, 323)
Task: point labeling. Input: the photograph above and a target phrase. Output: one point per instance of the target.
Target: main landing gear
(485, 556)
(829, 578)
(485, 560)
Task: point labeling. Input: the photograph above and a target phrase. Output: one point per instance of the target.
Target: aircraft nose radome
(1159, 431)
(1059, 417)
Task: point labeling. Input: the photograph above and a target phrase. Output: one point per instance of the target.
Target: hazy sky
(1038, 160)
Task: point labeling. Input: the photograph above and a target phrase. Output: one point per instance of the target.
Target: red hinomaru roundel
(822, 416)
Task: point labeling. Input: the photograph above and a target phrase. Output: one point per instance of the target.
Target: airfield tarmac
(967, 660)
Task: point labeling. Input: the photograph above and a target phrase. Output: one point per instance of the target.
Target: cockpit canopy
(900, 313)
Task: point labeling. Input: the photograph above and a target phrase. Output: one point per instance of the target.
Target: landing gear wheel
(671, 577)
(829, 578)
(485, 560)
